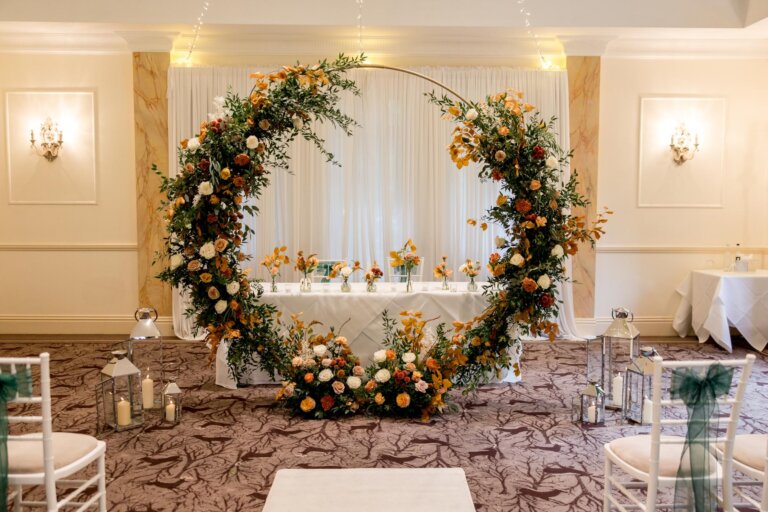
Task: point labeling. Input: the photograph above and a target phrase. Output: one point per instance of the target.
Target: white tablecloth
(327, 304)
(370, 490)
(713, 300)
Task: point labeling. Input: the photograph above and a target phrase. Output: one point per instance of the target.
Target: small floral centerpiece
(471, 270)
(306, 266)
(411, 376)
(371, 276)
(273, 262)
(405, 259)
(325, 378)
(442, 272)
(345, 271)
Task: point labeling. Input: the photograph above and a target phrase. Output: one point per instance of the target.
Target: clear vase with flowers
(273, 262)
(371, 276)
(471, 269)
(343, 270)
(407, 259)
(306, 266)
(442, 272)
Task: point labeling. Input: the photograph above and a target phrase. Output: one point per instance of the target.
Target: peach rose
(206, 277)
(358, 371)
(264, 124)
(500, 156)
(391, 355)
(417, 375)
(535, 184)
(194, 265)
(370, 385)
(213, 293)
(220, 244)
(309, 377)
(529, 285)
(338, 387)
(403, 400)
(308, 404)
(379, 399)
(503, 131)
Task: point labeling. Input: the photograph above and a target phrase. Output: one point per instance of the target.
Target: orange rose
(529, 285)
(432, 363)
(214, 199)
(239, 181)
(194, 265)
(213, 293)
(535, 184)
(370, 385)
(523, 206)
(264, 124)
(391, 355)
(307, 404)
(379, 399)
(242, 159)
(189, 167)
(309, 377)
(220, 244)
(206, 277)
(503, 131)
(403, 400)
(225, 173)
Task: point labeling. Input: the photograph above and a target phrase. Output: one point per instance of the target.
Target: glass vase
(371, 287)
(472, 285)
(305, 285)
(345, 286)
(445, 283)
(273, 288)
(408, 282)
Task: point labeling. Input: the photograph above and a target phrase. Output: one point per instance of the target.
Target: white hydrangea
(193, 144)
(552, 162)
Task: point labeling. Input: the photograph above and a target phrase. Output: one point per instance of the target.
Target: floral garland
(513, 146)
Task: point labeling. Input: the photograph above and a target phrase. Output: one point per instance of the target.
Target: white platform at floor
(370, 490)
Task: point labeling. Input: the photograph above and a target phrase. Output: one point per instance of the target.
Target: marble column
(584, 109)
(150, 106)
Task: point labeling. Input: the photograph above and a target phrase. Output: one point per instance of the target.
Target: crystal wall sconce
(683, 145)
(51, 140)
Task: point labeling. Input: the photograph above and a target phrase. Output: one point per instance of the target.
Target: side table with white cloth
(714, 300)
(362, 312)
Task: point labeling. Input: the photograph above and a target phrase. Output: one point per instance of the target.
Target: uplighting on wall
(51, 140)
(683, 145)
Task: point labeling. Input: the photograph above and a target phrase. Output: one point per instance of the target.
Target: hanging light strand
(526, 14)
(359, 25)
(196, 31)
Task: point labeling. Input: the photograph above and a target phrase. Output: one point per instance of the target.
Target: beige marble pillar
(150, 106)
(584, 102)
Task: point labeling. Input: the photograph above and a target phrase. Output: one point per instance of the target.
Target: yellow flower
(501, 200)
(403, 400)
(541, 221)
(472, 222)
(308, 404)
(206, 277)
(483, 226)
(379, 399)
(225, 173)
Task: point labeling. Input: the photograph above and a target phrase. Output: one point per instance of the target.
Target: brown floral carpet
(516, 443)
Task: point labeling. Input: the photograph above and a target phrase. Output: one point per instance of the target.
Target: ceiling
(391, 27)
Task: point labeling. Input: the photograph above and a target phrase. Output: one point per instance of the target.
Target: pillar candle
(617, 390)
(148, 393)
(592, 414)
(123, 413)
(170, 412)
(647, 410)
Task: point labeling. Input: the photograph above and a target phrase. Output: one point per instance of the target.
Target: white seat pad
(749, 449)
(636, 451)
(27, 456)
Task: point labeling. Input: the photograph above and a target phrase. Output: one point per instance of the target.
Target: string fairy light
(359, 25)
(545, 62)
(196, 32)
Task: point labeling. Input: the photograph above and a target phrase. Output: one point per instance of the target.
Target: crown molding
(658, 48)
(62, 43)
(148, 41)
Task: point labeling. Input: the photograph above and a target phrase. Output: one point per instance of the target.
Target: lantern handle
(151, 310)
(626, 311)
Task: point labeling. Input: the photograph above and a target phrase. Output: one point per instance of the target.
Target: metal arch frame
(414, 73)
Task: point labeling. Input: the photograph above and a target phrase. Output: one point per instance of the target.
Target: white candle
(170, 412)
(123, 413)
(592, 414)
(617, 390)
(647, 410)
(148, 393)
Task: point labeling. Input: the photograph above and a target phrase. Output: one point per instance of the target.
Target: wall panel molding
(76, 324)
(68, 247)
(667, 249)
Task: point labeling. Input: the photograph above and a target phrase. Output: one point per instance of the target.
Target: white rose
(233, 287)
(409, 357)
(557, 251)
(326, 362)
(354, 382)
(220, 306)
(193, 144)
(517, 260)
(325, 375)
(500, 242)
(176, 261)
(297, 121)
(382, 376)
(205, 188)
(346, 271)
(252, 142)
(297, 361)
(544, 282)
(471, 114)
(552, 162)
(565, 212)
(380, 356)
(320, 350)
(208, 251)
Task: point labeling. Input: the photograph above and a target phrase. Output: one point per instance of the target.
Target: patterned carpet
(516, 443)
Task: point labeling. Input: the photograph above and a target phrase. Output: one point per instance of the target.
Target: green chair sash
(11, 386)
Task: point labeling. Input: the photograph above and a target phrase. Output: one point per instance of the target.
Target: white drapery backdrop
(396, 180)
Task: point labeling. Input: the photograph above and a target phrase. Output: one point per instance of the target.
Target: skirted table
(360, 314)
(713, 300)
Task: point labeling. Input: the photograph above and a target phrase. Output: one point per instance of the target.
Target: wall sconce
(51, 140)
(680, 144)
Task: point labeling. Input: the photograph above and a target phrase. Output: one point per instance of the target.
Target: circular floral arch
(228, 161)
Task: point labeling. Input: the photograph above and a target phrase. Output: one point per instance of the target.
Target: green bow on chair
(11, 386)
(695, 489)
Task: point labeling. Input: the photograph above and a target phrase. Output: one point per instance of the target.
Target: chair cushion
(636, 451)
(27, 456)
(750, 450)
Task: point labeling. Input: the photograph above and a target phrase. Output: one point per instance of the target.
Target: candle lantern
(638, 384)
(118, 395)
(589, 407)
(172, 402)
(144, 332)
(611, 353)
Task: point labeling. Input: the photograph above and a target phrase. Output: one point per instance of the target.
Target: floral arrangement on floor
(509, 143)
(221, 167)
(273, 262)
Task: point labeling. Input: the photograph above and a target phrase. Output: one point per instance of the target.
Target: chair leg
(102, 486)
(17, 499)
(607, 486)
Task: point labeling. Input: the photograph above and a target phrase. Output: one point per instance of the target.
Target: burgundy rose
(212, 218)
(326, 402)
(204, 164)
(538, 153)
(546, 300)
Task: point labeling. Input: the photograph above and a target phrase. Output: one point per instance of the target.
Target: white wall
(647, 252)
(73, 268)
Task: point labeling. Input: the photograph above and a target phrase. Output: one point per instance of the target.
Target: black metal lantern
(638, 385)
(589, 407)
(118, 395)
